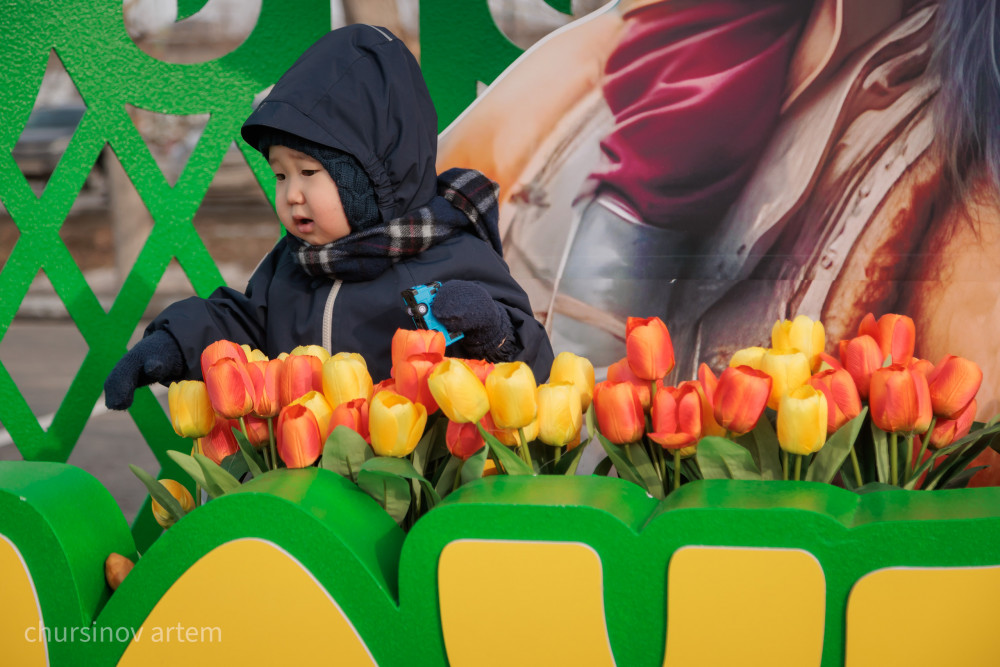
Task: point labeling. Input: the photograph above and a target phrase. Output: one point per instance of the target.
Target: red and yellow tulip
(221, 349)
(407, 343)
(220, 442)
(320, 409)
(180, 493)
(620, 371)
(861, 356)
(895, 335)
(300, 441)
(230, 388)
(648, 347)
(947, 431)
(953, 384)
(740, 398)
(900, 400)
(463, 440)
(299, 374)
(266, 376)
(411, 377)
(353, 415)
(619, 412)
(842, 399)
(676, 416)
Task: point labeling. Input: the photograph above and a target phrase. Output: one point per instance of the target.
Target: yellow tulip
(191, 412)
(317, 351)
(802, 417)
(184, 499)
(458, 392)
(748, 356)
(511, 390)
(568, 367)
(788, 371)
(253, 354)
(345, 378)
(395, 424)
(800, 335)
(559, 413)
(320, 409)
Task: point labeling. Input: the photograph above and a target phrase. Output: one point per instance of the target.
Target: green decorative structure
(110, 71)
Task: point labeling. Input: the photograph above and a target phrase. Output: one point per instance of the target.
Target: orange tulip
(947, 431)
(480, 367)
(740, 398)
(388, 384)
(299, 374)
(648, 347)
(395, 424)
(463, 439)
(411, 376)
(676, 416)
(265, 376)
(320, 409)
(180, 493)
(895, 335)
(788, 371)
(706, 386)
(861, 357)
(577, 370)
(923, 366)
(353, 415)
(299, 439)
(620, 371)
(619, 412)
(230, 388)
(220, 441)
(842, 399)
(191, 412)
(258, 432)
(953, 384)
(221, 349)
(410, 342)
(900, 400)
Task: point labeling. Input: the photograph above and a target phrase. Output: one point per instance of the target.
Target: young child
(351, 134)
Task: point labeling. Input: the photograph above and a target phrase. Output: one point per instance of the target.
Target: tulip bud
(266, 379)
(299, 439)
(396, 424)
(842, 399)
(620, 371)
(258, 432)
(411, 379)
(253, 355)
(676, 416)
(220, 441)
(388, 384)
(748, 356)
(116, 568)
(861, 357)
(740, 398)
(648, 347)
(463, 440)
(191, 412)
(458, 392)
(230, 388)
(353, 415)
(221, 349)
(895, 335)
(317, 351)
(345, 378)
(619, 412)
(900, 400)
(410, 342)
(800, 335)
(947, 431)
(788, 371)
(184, 499)
(559, 413)
(320, 409)
(299, 374)
(490, 468)
(953, 384)
(480, 367)
(511, 390)
(568, 367)
(802, 416)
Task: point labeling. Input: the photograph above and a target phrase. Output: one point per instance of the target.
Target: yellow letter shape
(553, 583)
(744, 606)
(21, 633)
(284, 618)
(924, 616)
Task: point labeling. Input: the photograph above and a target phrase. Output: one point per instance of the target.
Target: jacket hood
(360, 90)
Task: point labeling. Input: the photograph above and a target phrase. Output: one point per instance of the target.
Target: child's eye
(309, 172)
(279, 177)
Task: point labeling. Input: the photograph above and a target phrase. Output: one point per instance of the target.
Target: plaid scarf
(466, 199)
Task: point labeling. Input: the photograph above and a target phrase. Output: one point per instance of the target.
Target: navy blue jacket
(359, 90)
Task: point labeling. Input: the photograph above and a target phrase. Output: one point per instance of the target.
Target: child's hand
(155, 358)
(466, 307)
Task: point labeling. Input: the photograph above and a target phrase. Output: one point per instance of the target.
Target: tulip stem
(909, 458)
(784, 465)
(274, 446)
(677, 469)
(525, 452)
(925, 440)
(458, 475)
(558, 455)
(197, 487)
(857, 468)
(894, 459)
(798, 467)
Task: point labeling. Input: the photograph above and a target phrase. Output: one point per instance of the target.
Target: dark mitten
(155, 358)
(466, 307)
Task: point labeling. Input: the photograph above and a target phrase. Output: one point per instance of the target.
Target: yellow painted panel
(279, 616)
(924, 616)
(742, 606)
(528, 592)
(20, 614)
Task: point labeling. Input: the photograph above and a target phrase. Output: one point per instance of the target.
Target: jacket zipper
(328, 315)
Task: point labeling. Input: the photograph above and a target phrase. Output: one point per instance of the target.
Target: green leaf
(689, 467)
(570, 461)
(911, 483)
(159, 492)
(768, 451)
(255, 464)
(216, 476)
(235, 465)
(967, 449)
(345, 452)
(446, 480)
(403, 468)
(191, 467)
(424, 451)
(625, 469)
(472, 469)
(719, 458)
(392, 492)
(831, 457)
(880, 443)
(510, 461)
(961, 480)
(644, 466)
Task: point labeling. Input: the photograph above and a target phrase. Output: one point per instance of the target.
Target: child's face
(307, 199)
